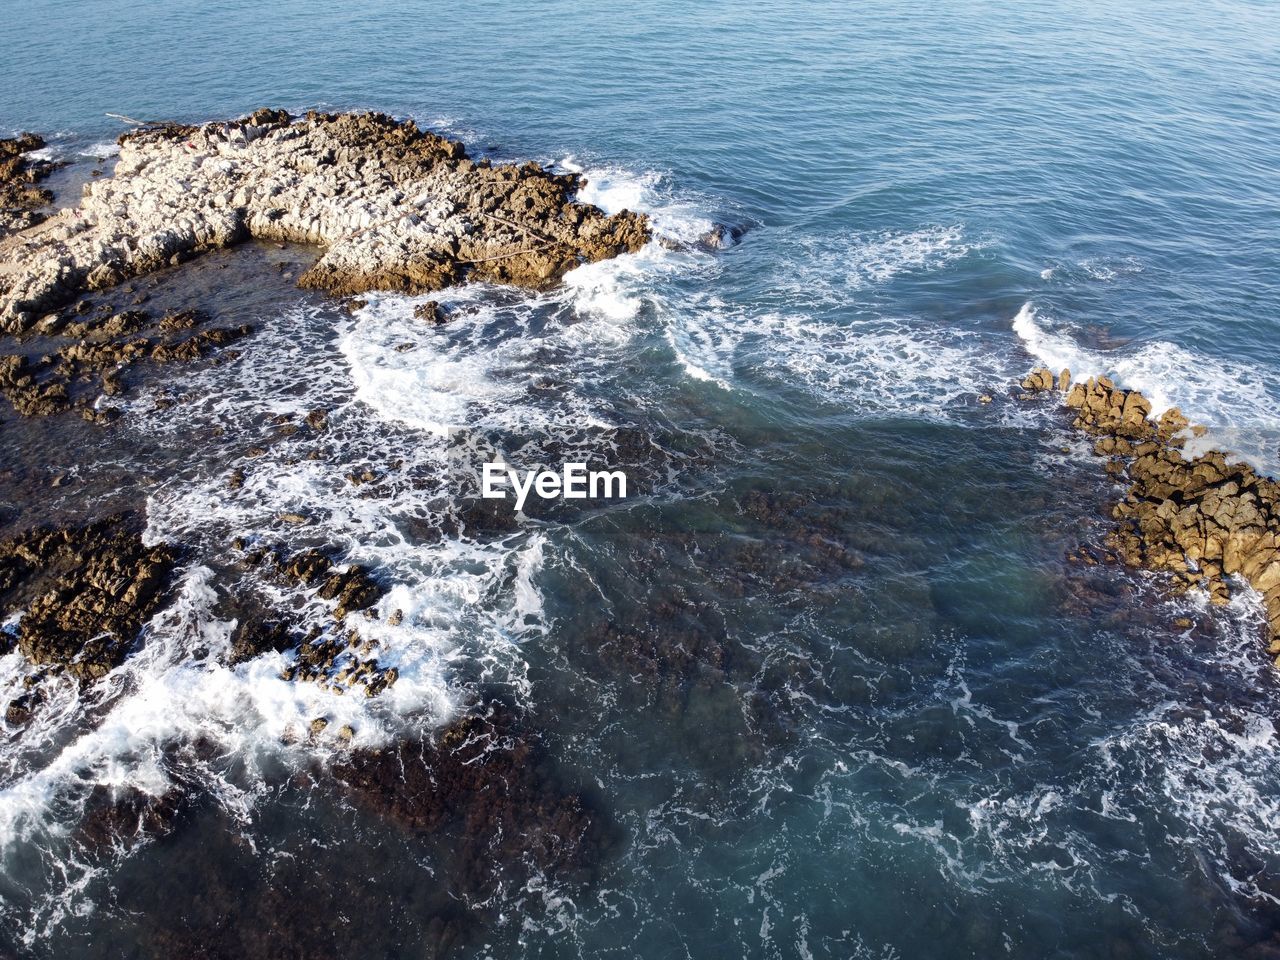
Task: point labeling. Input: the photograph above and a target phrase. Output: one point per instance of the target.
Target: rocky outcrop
(1202, 519)
(256, 635)
(395, 207)
(337, 657)
(102, 352)
(20, 198)
(84, 593)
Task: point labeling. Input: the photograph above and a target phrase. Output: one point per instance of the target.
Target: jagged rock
(1201, 519)
(1039, 379)
(308, 567)
(20, 708)
(106, 347)
(430, 312)
(86, 592)
(195, 347)
(353, 588)
(257, 635)
(360, 477)
(20, 198)
(395, 208)
(323, 656)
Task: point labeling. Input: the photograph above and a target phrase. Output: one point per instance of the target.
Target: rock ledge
(395, 207)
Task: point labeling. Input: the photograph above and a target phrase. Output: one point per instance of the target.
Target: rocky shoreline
(1203, 519)
(21, 200)
(84, 593)
(394, 207)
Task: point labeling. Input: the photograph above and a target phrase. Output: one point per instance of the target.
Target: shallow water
(827, 675)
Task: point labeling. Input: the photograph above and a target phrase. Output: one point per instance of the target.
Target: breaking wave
(1235, 401)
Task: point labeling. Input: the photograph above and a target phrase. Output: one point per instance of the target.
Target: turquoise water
(899, 722)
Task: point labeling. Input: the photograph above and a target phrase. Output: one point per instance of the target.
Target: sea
(828, 675)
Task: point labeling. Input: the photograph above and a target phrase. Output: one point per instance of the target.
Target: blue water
(906, 726)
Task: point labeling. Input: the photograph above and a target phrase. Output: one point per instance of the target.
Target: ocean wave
(882, 367)
(1235, 401)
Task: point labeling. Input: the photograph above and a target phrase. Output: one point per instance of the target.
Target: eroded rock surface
(84, 592)
(20, 198)
(395, 207)
(99, 353)
(338, 657)
(1202, 519)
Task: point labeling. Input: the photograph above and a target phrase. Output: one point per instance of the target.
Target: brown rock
(394, 207)
(86, 591)
(1206, 514)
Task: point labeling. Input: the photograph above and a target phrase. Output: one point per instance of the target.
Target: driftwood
(143, 123)
(522, 228)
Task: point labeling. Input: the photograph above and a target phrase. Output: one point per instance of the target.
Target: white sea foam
(1237, 403)
(879, 258)
(102, 151)
(886, 365)
(394, 388)
(881, 367)
(832, 271)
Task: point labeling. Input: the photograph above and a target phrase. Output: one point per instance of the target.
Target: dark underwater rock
(126, 816)
(490, 785)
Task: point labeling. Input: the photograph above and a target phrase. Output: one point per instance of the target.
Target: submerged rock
(84, 593)
(490, 783)
(126, 815)
(1202, 519)
(395, 207)
(102, 352)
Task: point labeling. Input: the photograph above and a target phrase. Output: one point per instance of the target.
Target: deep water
(828, 678)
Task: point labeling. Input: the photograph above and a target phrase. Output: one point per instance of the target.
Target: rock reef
(20, 199)
(1203, 518)
(84, 592)
(490, 783)
(394, 207)
(337, 658)
(101, 352)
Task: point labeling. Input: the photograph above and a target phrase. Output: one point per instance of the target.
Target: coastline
(865, 635)
(1202, 519)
